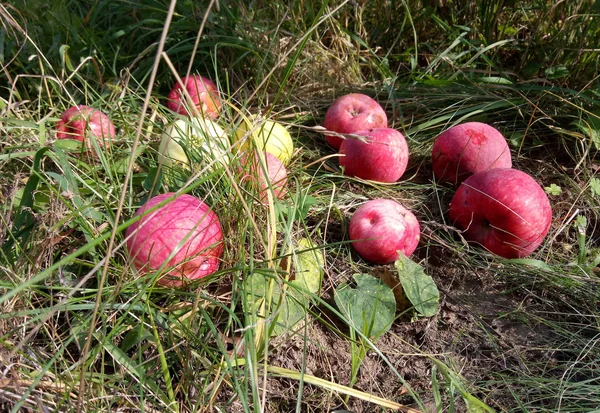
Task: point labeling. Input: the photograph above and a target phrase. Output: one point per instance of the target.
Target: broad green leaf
(495, 80)
(290, 300)
(120, 165)
(556, 72)
(309, 266)
(420, 289)
(287, 308)
(71, 145)
(530, 262)
(370, 307)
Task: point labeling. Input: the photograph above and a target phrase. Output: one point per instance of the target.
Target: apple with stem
(503, 210)
(382, 157)
(382, 227)
(465, 149)
(82, 123)
(351, 113)
(183, 239)
(203, 92)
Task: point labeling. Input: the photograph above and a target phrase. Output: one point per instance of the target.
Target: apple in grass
(203, 92)
(200, 136)
(267, 135)
(504, 210)
(382, 227)
(351, 113)
(466, 149)
(183, 238)
(82, 122)
(264, 173)
(382, 157)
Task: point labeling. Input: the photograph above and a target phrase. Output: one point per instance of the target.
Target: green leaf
(70, 145)
(289, 300)
(420, 289)
(553, 189)
(595, 186)
(120, 165)
(288, 306)
(556, 72)
(309, 266)
(370, 307)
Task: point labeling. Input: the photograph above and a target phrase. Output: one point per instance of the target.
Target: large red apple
(351, 113)
(183, 237)
(503, 210)
(276, 175)
(204, 94)
(381, 228)
(82, 122)
(382, 157)
(465, 149)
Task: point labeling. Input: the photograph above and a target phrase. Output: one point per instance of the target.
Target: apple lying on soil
(382, 157)
(253, 171)
(83, 122)
(204, 94)
(201, 136)
(183, 238)
(382, 227)
(351, 113)
(465, 149)
(504, 210)
(268, 135)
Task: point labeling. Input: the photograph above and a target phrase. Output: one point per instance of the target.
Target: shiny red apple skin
(204, 94)
(351, 113)
(465, 149)
(80, 122)
(503, 210)
(186, 225)
(276, 175)
(384, 227)
(382, 158)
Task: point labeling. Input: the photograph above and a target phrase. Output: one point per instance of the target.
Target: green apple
(201, 137)
(268, 135)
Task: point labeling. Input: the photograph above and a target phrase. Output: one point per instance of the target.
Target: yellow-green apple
(382, 156)
(201, 137)
(466, 149)
(183, 239)
(203, 92)
(83, 122)
(351, 113)
(268, 135)
(380, 228)
(253, 171)
(504, 210)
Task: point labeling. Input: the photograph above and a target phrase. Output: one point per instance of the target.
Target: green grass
(80, 331)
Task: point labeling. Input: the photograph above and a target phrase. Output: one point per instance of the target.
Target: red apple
(503, 210)
(184, 237)
(383, 157)
(381, 228)
(204, 94)
(276, 176)
(466, 149)
(81, 122)
(351, 113)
